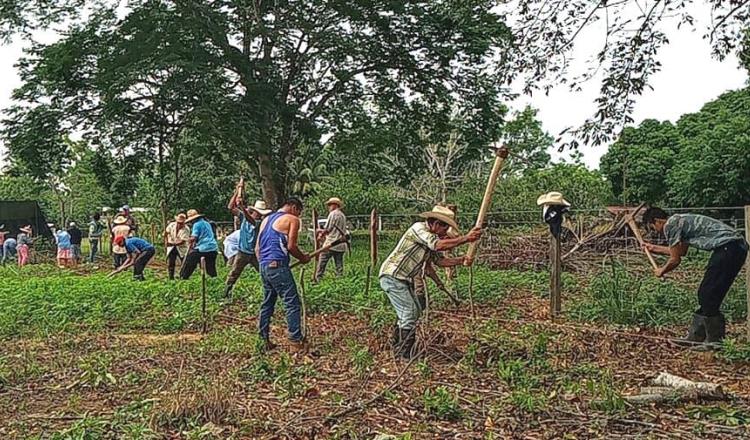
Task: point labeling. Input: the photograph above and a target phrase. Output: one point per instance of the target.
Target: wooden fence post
(747, 267)
(554, 279)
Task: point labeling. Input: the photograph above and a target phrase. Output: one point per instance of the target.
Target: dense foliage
(703, 160)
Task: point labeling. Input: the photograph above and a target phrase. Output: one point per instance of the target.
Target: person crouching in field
(728, 254)
(422, 242)
(64, 249)
(139, 253)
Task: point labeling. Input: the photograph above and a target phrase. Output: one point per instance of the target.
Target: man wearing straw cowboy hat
(177, 238)
(120, 229)
(334, 231)
(202, 245)
(422, 242)
(246, 255)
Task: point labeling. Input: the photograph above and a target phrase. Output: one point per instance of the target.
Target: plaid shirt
(415, 248)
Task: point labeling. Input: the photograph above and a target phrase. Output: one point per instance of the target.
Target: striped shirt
(415, 248)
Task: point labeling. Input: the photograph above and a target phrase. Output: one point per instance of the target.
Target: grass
(195, 389)
(617, 296)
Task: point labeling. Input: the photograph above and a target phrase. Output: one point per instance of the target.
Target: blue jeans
(401, 295)
(8, 251)
(279, 282)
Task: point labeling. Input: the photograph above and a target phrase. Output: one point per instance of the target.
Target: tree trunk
(272, 193)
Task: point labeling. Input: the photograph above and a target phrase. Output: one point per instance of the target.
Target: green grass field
(87, 357)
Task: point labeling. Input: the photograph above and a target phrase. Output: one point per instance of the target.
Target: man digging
(422, 242)
(729, 251)
(246, 250)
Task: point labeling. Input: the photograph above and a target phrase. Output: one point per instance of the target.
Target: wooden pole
(747, 267)
(500, 155)
(639, 237)
(554, 279)
(373, 249)
(315, 243)
(204, 326)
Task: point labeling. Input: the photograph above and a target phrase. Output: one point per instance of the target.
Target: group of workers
(18, 247)
(266, 239)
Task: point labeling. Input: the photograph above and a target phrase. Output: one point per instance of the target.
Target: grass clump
(441, 403)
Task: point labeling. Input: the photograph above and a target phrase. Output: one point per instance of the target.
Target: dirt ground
(350, 386)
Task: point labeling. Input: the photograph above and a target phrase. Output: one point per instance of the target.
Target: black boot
(408, 338)
(395, 337)
(696, 333)
(716, 329)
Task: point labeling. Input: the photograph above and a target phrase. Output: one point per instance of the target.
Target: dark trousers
(140, 263)
(278, 281)
(193, 259)
(94, 245)
(172, 257)
(119, 259)
(338, 258)
(239, 263)
(723, 267)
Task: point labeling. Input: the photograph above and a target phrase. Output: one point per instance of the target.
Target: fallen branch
(671, 388)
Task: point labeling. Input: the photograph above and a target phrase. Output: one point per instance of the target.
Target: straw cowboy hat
(120, 220)
(335, 201)
(260, 208)
(26, 229)
(552, 198)
(180, 218)
(443, 214)
(193, 214)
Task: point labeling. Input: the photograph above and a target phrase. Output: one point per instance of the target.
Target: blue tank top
(272, 243)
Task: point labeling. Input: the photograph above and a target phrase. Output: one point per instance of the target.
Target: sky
(689, 78)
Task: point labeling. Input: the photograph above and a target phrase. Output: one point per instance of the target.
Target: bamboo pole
(500, 155)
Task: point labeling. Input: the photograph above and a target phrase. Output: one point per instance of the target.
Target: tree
(527, 141)
(257, 80)
(637, 164)
(713, 164)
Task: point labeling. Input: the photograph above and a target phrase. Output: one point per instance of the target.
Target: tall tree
(637, 164)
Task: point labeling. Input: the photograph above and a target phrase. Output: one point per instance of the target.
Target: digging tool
(500, 155)
(314, 255)
(315, 243)
(430, 272)
(630, 220)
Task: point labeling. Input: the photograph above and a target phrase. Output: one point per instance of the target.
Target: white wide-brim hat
(443, 214)
(552, 198)
(260, 207)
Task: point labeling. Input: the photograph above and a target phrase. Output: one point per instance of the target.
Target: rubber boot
(716, 329)
(696, 333)
(408, 338)
(395, 337)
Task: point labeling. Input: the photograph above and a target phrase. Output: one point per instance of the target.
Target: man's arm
(445, 244)
(655, 248)
(293, 232)
(675, 258)
(450, 262)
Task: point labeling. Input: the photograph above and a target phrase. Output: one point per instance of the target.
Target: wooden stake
(500, 155)
(315, 243)
(747, 264)
(554, 278)
(204, 326)
(373, 249)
